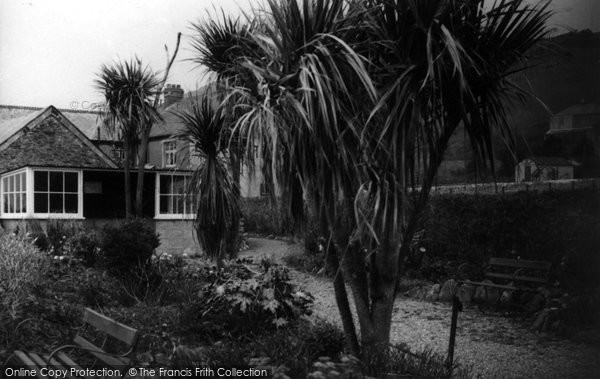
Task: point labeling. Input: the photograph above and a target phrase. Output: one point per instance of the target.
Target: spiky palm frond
(129, 89)
(207, 129)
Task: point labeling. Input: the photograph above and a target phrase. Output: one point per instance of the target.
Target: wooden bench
(94, 322)
(514, 274)
(505, 274)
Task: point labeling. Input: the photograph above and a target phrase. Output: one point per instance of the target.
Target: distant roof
(580, 109)
(171, 123)
(552, 161)
(13, 117)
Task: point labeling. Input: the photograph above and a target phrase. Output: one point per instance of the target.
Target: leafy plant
(236, 302)
(83, 245)
(20, 263)
(128, 245)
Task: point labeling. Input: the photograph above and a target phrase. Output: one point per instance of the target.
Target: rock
(536, 303)
(506, 297)
(539, 320)
(465, 293)
(545, 319)
(448, 290)
(433, 293)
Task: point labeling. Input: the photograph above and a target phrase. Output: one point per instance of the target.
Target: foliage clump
(128, 245)
(20, 263)
(236, 301)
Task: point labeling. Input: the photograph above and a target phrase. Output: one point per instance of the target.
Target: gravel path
(495, 347)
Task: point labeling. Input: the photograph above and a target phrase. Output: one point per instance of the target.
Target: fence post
(456, 307)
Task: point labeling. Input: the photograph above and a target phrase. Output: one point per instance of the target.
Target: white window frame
(169, 153)
(4, 190)
(157, 194)
(30, 214)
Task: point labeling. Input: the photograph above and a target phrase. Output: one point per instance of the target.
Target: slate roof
(46, 138)
(88, 122)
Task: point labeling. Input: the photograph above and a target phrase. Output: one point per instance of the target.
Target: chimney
(172, 93)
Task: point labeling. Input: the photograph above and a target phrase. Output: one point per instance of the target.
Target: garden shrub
(83, 245)
(307, 262)
(234, 301)
(127, 246)
(58, 232)
(262, 216)
(561, 227)
(20, 262)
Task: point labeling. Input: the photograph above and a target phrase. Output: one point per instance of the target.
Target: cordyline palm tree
(129, 89)
(357, 100)
(221, 46)
(214, 191)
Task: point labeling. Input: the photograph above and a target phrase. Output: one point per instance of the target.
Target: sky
(51, 51)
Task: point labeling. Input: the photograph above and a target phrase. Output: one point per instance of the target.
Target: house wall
(545, 173)
(176, 237)
(155, 153)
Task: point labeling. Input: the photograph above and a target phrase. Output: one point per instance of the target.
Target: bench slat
(27, 360)
(519, 278)
(510, 288)
(541, 265)
(56, 364)
(71, 363)
(111, 327)
(99, 353)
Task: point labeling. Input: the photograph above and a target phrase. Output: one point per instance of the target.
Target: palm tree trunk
(341, 299)
(127, 180)
(139, 193)
(234, 231)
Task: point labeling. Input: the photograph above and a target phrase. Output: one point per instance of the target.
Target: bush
(234, 301)
(306, 262)
(83, 245)
(20, 262)
(128, 246)
(58, 232)
(551, 226)
(261, 216)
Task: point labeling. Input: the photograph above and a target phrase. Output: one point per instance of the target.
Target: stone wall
(177, 237)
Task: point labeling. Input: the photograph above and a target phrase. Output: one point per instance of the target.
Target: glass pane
(164, 204)
(17, 203)
(5, 201)
(70, 203)
(11, 203)
(190, 205)
(11, 183)
(40, 181)
(5, 184)
(23, 182)
(56, 182)
(18, 182)
(165, 184)
(56, 202)
(71, 182)
(40, 203)
(178, 184)
(178, 204)
(23, 203)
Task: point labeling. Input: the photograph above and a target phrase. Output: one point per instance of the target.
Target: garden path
(495, 347)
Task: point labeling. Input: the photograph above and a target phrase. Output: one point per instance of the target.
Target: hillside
(565, 71)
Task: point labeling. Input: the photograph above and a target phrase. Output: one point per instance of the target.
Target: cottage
(64, 164)
(535, 169)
